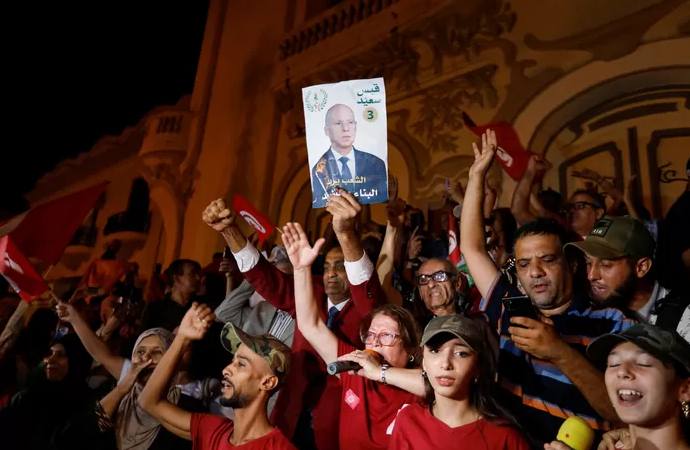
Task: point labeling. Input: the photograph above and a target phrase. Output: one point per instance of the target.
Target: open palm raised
(484, 157)
(301, 253)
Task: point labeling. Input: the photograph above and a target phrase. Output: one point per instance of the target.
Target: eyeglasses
(438, 277)
(579, 206)
(385, 339)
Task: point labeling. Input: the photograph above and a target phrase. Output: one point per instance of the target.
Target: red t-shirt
(211, 432)
(368, 409)
(416, 428)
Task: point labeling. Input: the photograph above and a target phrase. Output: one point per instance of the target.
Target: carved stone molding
(335, 21)
(612, 40)
(453, 33)
(182, 183)
(656, 174)
(441, 107)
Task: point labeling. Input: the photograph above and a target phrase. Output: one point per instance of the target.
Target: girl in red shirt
(369, 404)
(460, 412)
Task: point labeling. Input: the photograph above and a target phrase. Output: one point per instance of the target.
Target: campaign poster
(346, 131)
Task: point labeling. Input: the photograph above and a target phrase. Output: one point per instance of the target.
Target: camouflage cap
(270, 348)
(459, 326)
(665, 345)
(616, 237)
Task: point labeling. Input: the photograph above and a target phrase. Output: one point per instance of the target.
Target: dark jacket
(368, 166)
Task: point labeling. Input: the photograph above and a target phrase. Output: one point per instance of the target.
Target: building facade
(601, 85)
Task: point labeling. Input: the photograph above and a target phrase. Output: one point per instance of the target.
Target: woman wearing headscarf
(40, 416)
(119, 411)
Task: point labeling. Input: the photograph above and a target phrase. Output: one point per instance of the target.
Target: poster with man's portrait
(347, 139)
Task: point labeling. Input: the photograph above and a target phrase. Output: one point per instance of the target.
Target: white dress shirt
(358, 272)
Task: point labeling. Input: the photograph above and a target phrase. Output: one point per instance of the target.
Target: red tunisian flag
(454, 254)
(510, 152)
(19, 272)
(263, 226)
(43, 232)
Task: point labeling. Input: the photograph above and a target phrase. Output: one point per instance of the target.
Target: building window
(169, 124)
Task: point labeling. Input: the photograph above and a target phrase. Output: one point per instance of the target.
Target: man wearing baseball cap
(259, 368)
(619, 252)
(648, 381)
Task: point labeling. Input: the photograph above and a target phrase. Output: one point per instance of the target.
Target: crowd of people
(371, 338)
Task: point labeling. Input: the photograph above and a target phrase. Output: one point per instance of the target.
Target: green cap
(667, 346)
(475, 331)
(616, 237)
(269, 347)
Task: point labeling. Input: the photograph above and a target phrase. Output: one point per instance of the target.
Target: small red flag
(510, 153)
(263, 226)
(19, 272)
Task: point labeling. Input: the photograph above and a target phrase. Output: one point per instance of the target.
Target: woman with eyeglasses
(370, 402)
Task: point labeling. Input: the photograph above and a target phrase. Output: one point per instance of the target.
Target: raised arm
(110, 402)
(345, 210)
(386, 264)
(541, 340)
(472, 240)
(609, 188)
(273, 285)
(520, 206)
(152, 399)
(98, 349)
(365, 287)
(309, 320)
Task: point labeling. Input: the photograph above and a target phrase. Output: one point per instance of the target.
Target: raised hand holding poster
(347, 139)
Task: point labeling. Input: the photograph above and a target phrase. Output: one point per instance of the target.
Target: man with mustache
(260, 366)
(542, 368)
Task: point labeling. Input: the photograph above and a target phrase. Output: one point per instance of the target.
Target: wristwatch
(384, 367)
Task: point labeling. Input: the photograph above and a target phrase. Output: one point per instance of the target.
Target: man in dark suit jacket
(360, 173)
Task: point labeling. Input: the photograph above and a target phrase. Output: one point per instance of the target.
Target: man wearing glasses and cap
(259, 368)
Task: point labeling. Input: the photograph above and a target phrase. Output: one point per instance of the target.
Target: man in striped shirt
(542, 366)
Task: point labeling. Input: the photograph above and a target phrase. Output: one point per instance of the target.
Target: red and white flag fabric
(510, 152)
(19, 272)
(261, 224)
(43, 232)
(454, 254)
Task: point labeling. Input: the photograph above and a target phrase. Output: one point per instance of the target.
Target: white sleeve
(247, 258)
(125, 368)
(359, 272)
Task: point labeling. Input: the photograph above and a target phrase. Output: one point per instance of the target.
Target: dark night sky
(77, 73)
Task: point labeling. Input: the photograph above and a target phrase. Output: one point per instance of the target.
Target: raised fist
(218, 216)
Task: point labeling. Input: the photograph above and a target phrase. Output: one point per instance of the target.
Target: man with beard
(259, 367)
(619, 252)
(542, 368)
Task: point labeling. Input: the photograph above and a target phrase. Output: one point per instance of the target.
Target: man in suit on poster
(343, 165)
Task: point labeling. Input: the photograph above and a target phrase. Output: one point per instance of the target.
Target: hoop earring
(424, 374)
(685, 406)
(411, 358)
